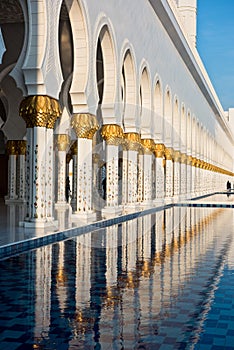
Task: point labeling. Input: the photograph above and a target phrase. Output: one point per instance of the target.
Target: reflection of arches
(168, 118)
(129, 90)
(158, 110)
(145, 104)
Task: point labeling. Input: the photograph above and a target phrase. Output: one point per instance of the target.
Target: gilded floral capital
(177, 156)
(132, 141)
(148, 145)
(183, 158)
(12, 148)
(159, 150)
(39, 111)
(62, 142)
(189, 160)
(85, 125)
(21, 147)
(112, 134)
(169, 153)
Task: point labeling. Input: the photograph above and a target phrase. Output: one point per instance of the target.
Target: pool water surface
(162, 281)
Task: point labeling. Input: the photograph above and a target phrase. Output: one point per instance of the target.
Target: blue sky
(215, 44)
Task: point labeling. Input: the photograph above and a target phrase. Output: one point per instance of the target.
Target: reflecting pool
(162, 281)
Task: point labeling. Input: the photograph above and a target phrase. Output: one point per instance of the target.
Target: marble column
(159, 188)
(183, 176)
(189, 177)
(37, 112)
(113, 135)
(132, 141)
(193, 176)
(62, 142)
(21, 174)
(177, 169)
(50, 159)
(85, 126)
(169, 173)
(74, 176)
(12, 152)
(148, 148)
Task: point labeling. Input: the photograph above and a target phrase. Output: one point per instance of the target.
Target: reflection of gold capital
(148, 145)
(159, 150)
(132, 140)
(12, 148)
(62, 142)
(85, 125)
(39, 111)
(112, 134)
(169, 153)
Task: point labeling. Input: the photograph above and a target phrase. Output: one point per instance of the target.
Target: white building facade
(107, 90)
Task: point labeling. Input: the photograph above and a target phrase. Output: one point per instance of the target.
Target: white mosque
(112, 95)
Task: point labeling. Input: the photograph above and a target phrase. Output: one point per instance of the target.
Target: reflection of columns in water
(159, 186)
(169, 224)
(176, 223)
(61, 277)
(62, 144)
(147, 226)
(42, 283)
(159, 224)
(169, 172)
(132, 241)
(111, 255)
(85, 126)
(12, 152)
(83, 269)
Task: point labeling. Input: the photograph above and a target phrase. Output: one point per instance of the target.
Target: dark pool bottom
(162, 281)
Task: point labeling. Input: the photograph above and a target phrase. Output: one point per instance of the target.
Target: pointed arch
(145, 103)
(168, 118)
(158, 111)
(128, 72)
(78, 21)
(176, 124)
